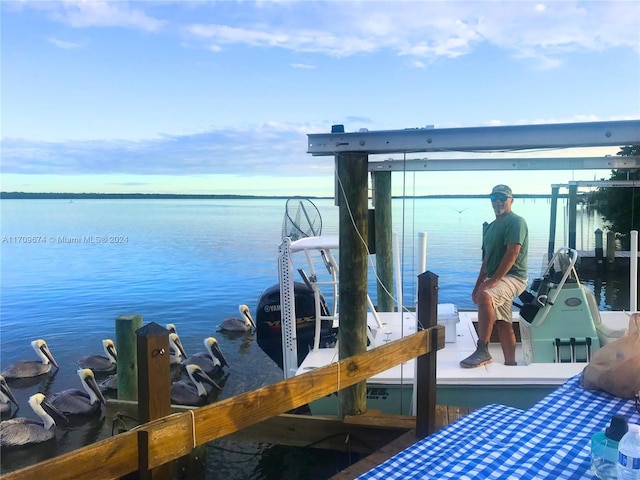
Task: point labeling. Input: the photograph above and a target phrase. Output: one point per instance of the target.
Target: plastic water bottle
(629, 454)
(604, 449)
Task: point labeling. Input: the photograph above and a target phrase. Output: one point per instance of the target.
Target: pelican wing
(97, 363)
(74, 402)
(22, 431)
(26, 369)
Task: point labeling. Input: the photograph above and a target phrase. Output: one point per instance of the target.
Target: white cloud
(269, 149)
(62, 43)
(303, 66)
(81, 14)
(436, 29)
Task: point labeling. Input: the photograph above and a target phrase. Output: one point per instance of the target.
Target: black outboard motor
(268, 322)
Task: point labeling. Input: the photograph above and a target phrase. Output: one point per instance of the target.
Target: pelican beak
(247, 313)
(53, 410)
(178, 343)
(47, 353)
(215, 348)
(112, 351)
(4, 387)
(203, 377)
(93, 385)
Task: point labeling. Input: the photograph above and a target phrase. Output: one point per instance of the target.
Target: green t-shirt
(501, 232)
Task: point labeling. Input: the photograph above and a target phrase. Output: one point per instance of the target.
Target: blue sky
(219, 96)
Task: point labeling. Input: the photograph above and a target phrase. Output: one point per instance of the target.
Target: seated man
(503, 276)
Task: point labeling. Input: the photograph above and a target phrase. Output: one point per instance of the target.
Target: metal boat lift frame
(488, 143)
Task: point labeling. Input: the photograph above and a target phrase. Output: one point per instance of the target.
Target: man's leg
(486, 316)
(507, 341)
(486, 319)
(512, 287)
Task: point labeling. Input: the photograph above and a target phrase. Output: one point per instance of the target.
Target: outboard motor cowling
(268, 322)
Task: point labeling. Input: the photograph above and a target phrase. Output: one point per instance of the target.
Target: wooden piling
(383, 239)
(426, 364)
(611, 249)
(599, 250)
(352, 180)
(127, 366)
(154, 392)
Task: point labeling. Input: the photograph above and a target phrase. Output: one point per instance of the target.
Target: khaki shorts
(502, 296)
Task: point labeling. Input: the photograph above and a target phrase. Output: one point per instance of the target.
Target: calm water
(192, 262)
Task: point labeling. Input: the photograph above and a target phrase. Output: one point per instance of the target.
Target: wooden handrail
(176, 435)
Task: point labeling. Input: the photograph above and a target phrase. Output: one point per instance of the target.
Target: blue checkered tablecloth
(548, 441)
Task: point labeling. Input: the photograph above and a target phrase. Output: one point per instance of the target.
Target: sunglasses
(499, 197)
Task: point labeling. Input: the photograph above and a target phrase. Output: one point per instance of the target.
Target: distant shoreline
(179, 196)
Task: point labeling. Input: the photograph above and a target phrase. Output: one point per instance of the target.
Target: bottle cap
(618, 427)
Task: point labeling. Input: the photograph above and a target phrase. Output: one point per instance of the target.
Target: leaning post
(426, 364)
(127, 365)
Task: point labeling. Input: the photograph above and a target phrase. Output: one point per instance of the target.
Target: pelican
(32, 368)
(80, 402)
(172, 328)
(176, 350)
(101, 363)
(192, 392)
(244, 324)
(212, 360)
(23, 431)
(6, 397)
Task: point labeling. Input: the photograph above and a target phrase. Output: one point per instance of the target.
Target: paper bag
(615, 368)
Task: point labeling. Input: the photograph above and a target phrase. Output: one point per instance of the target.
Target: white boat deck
(449, 371)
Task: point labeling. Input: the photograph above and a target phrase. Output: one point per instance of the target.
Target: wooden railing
(158, 442)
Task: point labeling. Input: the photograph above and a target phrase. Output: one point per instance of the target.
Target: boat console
(558, 316)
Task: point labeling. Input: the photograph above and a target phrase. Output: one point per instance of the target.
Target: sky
(217, 97)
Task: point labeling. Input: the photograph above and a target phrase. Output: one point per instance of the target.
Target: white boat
(560, 328)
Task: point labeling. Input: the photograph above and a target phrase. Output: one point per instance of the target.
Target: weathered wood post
(154, 392)
(599, 250)
(384, 240)
(611, 249)
(127, 366)
(426, 364)
(352, 335)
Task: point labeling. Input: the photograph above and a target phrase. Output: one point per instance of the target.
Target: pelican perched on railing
(101, 363)
(32, 368)
(243, 324)
(176, 350)
(24, 431)
(212, 360)
(80, 402)
(192, 392)
(6, 397)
